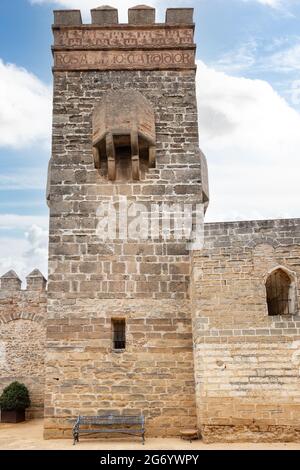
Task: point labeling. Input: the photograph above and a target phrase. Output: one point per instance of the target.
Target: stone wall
(22, 337)
(146, 282)
(153, 375)
(247, 364)
(116, 268)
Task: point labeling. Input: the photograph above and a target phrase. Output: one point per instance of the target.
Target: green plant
(15, 397)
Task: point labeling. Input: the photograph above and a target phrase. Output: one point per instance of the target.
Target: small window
(119, 334)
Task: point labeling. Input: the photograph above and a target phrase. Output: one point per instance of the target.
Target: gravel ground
(29, 436)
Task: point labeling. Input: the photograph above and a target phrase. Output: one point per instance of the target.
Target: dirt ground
(29, 436)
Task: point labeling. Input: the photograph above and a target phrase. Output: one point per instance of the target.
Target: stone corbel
(111, 157)
(135, 157)
(96, 155)
(152, 156)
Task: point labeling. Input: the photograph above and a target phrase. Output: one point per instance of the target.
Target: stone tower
(125, 131)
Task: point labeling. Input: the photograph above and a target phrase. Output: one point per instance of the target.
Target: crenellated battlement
(137, 15)
(22, 304)
(140, 44)
(10, 282)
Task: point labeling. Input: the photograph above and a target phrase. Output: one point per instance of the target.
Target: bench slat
(109, 420)
(130, 431)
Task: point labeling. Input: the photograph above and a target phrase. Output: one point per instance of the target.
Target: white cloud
(25, 254)
(280, 55)
(25, 112)
(21, 222)
(251, 137)
(24, 178)
(37, 237)
(86, 5)
(278, 4)
(287, 60)
(241, 58)
(271, 3)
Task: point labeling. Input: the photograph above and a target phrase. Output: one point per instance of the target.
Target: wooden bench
(124, 424)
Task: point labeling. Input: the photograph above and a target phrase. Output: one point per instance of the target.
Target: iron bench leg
(75, 435)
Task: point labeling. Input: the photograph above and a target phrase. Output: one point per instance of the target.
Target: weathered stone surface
(141, 14)
(124, 60)
(105, 16)
(67, 18)
(122, 112)
(179, 15)
(159, 36)
(200, 346)
(22, 338)
(36, 281)
(10, 281)
(246, 362)
(139, 45)
(144, 282)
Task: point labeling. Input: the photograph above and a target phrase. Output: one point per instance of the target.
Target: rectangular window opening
(119, 333)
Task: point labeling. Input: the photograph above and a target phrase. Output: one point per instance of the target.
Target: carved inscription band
(122, 60)
(123, 38)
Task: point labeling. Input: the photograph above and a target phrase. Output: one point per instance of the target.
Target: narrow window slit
(119, 334)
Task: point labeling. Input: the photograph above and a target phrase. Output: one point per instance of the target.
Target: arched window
(281, 293)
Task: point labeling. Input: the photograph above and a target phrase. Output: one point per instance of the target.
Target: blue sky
(248, 87)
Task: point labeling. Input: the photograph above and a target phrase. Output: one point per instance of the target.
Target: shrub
(15, 397)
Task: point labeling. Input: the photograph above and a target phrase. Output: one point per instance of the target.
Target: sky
(248, 91)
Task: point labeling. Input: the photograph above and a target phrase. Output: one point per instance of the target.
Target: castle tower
(125, 141)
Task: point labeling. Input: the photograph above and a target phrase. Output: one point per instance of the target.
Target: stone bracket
(135, 159)
(111, 157)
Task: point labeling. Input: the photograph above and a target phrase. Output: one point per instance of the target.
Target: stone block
(141, 14)
(10, 281)
(67, 18)
(36, 281)
(150, 268)
(179, 15)
(105, 15)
